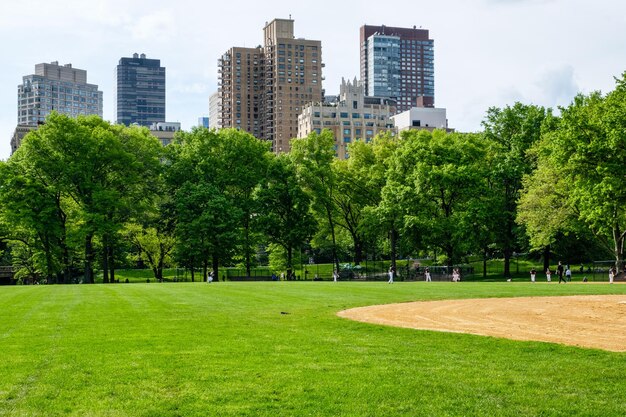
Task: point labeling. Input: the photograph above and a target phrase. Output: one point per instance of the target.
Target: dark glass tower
(140, 91)
(398, 63)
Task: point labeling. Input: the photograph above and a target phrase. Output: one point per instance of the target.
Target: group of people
(565, 273)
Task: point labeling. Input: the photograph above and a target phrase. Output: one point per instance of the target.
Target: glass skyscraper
(383, 66)
(140, 94)
(398, 63)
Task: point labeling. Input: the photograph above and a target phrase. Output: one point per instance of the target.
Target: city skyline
(487, 53)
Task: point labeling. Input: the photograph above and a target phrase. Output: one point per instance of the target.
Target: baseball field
(300, 349)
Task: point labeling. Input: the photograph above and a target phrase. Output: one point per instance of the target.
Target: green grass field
(227, 349)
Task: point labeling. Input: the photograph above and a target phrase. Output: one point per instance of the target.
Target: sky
(487, 52)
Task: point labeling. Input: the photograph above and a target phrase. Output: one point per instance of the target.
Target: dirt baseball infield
(592, 321)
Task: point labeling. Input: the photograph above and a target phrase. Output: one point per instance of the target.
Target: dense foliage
(82, 194)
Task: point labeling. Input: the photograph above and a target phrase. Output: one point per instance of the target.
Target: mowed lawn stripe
(278, 348)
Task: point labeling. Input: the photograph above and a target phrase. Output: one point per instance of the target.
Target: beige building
(18, 136)
(240, 88)
(214, 108)
(61, 88)
(164, 131)
(353, 117)
(263, 90)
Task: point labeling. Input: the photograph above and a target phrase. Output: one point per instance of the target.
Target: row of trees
(81, 194)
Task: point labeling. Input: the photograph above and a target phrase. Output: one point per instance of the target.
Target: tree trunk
(247, 248)
(507, 262)
(215, 268)
(289, 261)
(485, 264)
(48, 251)
(205, 269)
(110, 254)
(618, 239)
(192, 273)
(393, 238)
(331, 224)
(89, 255)
(546, 258)
(358, 249)
(160, 269)
(105, 259)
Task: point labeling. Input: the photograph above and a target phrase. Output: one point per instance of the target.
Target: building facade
(353, 117)
(428, 118)
(398, 63)
(140, 91)
(214, 111)
(240, 89)
(18, 135)
(263, 90)
(55, 87)
(203, 122)
(164, 131)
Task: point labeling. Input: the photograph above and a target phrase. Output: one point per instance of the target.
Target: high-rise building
(241, 74)
(263, 89)
(352, 117)
(203, 121)
(398, 63)
(55, 87)
(140, 94)
(215, 105)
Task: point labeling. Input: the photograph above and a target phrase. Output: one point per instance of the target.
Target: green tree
(313, 157)
(371, 163)
(155, 246)
(98, 170)
(208, 217)
(284, 215)
(581, 170)
(245, 160)
(436, 180)
(510, 132)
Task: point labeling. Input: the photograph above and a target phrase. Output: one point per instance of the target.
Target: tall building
(215, 105)
(241, 77)
(55, 87)
(203, 121)
(263, 89)
(140, 94)
(398, 63)
(352, 117)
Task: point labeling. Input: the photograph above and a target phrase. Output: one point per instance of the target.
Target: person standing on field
(559, 272)
(548, 275)
(568, 274)
(392, 272)
(335, 275)
(533, 274)
(456, 275)
(611, 274)
(427, 274)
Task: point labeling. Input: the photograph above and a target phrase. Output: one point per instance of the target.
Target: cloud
(557, 86)
(507, 2)
(158, 26)
(193, 88)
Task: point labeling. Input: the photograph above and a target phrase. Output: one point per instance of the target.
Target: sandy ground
(592, 321)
